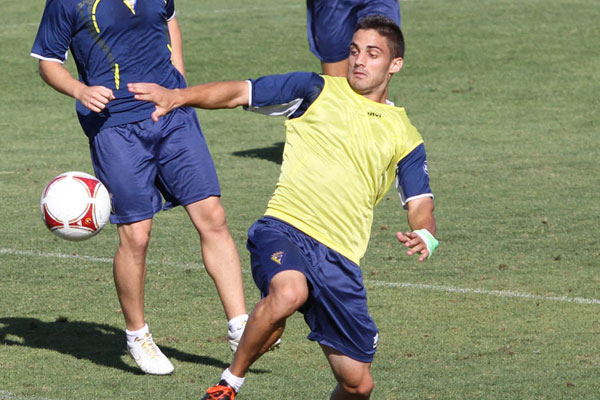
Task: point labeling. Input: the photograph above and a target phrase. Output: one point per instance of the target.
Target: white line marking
(420, 286)
(11, 26)
(4, 395)
(31, 253)
(499, 293)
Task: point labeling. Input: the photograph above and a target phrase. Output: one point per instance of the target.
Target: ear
(396, 65)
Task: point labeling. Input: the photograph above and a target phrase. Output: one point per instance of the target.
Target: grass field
(506, 96)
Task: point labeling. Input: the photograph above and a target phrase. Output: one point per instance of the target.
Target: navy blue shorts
(331, 24)
(336, 309)
(143, 162)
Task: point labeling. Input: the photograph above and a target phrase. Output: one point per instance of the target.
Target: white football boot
(148, 356)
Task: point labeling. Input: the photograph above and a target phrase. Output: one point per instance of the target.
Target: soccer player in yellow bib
(344, 148)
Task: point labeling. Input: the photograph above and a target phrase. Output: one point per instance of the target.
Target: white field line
(31, 253)
(417, 286)
(499, 293)
(4, 395)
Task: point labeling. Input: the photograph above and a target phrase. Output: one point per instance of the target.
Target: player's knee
(134, 240)
(359, 388)
(209, 217)
(287, 300)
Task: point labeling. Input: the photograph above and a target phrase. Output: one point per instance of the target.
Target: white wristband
(430, 241)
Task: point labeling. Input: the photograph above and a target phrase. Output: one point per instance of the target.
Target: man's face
(370, 63)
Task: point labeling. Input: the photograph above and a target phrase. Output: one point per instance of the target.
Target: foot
(221, 391)
(148, 356)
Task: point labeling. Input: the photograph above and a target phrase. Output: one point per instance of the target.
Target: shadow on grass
(101, 344)
(273, 153)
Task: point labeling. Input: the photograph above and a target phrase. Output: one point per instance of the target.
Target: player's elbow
(43, 70)
(421, 206)
(47, 69)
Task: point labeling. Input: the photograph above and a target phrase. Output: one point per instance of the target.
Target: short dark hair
(386, 28)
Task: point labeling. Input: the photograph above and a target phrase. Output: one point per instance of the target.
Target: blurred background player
(330, 25)
(344, 148)
(141, 162)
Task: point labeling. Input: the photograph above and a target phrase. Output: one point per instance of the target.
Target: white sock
(131, 335)
(235, 323)
(233, 381)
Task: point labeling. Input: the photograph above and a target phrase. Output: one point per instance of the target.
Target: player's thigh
(330, 26)
(272, 251)
(186, 170)
(388, 8)
(123, 159)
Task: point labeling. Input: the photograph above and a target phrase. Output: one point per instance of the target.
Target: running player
(114, 42)
(344, 148)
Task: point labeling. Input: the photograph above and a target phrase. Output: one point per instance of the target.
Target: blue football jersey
(113, 42)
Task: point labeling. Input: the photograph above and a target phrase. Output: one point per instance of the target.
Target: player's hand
(414, 243)
(163, 98)
(95, 98)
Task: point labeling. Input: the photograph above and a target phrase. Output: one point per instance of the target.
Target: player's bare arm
(176, 45)
(420, 217)
(215, 95)
(56, 75)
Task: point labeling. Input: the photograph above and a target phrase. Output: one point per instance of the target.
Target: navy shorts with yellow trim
(331, 24)
(143, 162)
(336, 309)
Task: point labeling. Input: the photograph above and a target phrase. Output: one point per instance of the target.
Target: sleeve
(54, 33)
(170, 9)
(288, 94)
(412, 176)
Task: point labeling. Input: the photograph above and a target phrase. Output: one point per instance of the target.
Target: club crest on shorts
(278, 257)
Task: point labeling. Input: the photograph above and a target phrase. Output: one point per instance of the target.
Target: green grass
(505, 94)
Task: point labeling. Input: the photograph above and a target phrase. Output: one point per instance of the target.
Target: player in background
(330, 25)
(344, 148)
(114, 42)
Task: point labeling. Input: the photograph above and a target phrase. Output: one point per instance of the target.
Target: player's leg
(129, 270)
(288, 291)
(330, 25)
(339, 68)
(388, 8)
(187, 176)
(276, 267)
(219, 253)
(339, 319)
(123, 160)
(130, 275)
(354, 377)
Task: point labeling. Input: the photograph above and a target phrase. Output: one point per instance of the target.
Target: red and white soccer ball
(75, 206)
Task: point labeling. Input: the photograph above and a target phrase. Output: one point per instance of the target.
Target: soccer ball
(75, 205)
